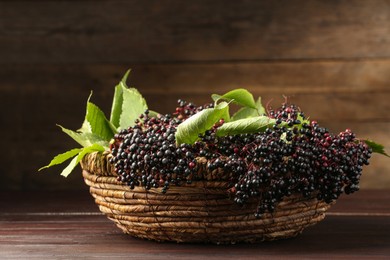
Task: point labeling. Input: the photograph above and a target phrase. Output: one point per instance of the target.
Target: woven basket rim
(98, 163)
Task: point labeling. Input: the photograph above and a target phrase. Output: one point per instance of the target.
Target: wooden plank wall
(331, 57)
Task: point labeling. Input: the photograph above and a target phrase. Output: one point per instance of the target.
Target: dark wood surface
(331, 57)
(67, 225)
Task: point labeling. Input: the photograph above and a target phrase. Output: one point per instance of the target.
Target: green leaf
(132, 107)
(95, 128)
(78, 137)
(70, 167)
(244, 112)
(245, 126)
(259, 107)
(376, 148)
(85, 139)
(247, 112)
(239, 96)
(188, 131)
(62, 158)
(96, 123)
(116, 108)
(76, 160)
(124, 78)
(90, 149)
(127, 105)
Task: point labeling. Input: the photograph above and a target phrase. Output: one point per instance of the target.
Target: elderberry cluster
(146, 154)
(294, 156)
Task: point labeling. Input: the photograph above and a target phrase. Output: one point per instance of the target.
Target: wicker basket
(197, 212)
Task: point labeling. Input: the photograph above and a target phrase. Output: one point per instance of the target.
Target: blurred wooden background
(331, 57)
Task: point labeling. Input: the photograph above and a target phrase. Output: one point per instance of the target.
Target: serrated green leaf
(97, 123)
(116, 108)
(65, 172)
(259, 107)
(62, 158)
(247, 112)
(78, 137)
(90, 149)
(95, 128)
(132, 107)
(76, 160)
(85, 139)
(94, 148)
(188, 131)
(245, 126)
(215, 97)
(376, 148)
(225, 114)
(124, 78)
(239, 96)
(86, 126)
(244, 112)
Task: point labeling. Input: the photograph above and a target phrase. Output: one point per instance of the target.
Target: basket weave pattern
(197, 212)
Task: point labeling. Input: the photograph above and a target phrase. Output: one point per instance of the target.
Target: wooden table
(67, 225)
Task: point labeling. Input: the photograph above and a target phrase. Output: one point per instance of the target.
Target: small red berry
(191, 165)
